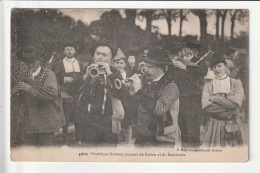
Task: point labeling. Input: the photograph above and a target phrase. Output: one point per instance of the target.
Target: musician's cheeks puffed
(179, 65)
(24, 87)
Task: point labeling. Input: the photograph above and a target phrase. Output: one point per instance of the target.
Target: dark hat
(69, 44)
(29, 53)
(131, 53)
(155, 55)
(192, 45)
(216, 59)
(102, 43)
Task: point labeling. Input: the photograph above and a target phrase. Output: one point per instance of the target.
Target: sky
(190, 27)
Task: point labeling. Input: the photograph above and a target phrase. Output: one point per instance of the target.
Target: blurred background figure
(132, 62)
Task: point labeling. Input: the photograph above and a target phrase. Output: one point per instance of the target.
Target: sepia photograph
(129, 85)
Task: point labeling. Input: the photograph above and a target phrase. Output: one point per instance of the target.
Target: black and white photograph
(129, 84)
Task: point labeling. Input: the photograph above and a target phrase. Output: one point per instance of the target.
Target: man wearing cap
(158, 101)
(41, 112)
(188, 75)
(99, 101)
(69, 73)
(222, 99)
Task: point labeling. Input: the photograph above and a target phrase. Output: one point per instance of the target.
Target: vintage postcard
(129, 85)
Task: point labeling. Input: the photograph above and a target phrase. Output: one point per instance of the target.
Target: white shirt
(36, 72)
(123, 75)
(71, 65)
(221, 84)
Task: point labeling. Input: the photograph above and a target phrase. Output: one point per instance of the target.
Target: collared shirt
(71, 65)
(221, 84)
(36, 72)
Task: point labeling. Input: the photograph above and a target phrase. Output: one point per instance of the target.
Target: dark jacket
(190, 80)
(96, 93)
(70, 88)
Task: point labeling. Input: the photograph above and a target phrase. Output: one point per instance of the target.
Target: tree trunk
(217, 24)
(148, 29)
(233, 19)
(203, 26)
(232, 28)
(131, 41)
(203, 23)
(180, 30)
(169, 22)
(223, 17)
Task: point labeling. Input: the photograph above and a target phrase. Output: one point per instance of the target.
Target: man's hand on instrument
(135, 84)
(24, 87)
(86, 75)
(68, 79)
(105, 66)
(178, 64)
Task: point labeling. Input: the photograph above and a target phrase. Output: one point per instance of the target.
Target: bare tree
(223, 18)
(240, 15)
(203, 22)
(217, 13)
(169, 15)
(130, 25)
(183, 17)
(148, 15)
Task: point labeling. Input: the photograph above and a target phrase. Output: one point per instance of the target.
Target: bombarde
(95, 71)
(119, 83)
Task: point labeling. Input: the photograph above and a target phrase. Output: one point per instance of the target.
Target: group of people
(162, 101)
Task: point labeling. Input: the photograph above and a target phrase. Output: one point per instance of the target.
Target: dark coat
(189, 82)
(93, 92)
(70, 88)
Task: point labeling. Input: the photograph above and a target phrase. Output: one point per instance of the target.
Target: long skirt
(220, 133)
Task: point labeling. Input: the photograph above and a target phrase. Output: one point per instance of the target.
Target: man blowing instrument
(158, 101)
(98, 101)
(41, 112)
(189, 70)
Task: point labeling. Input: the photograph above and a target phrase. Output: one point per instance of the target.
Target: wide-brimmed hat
(193, 45)
(30, 53)
(216, 59)
(155, 55)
